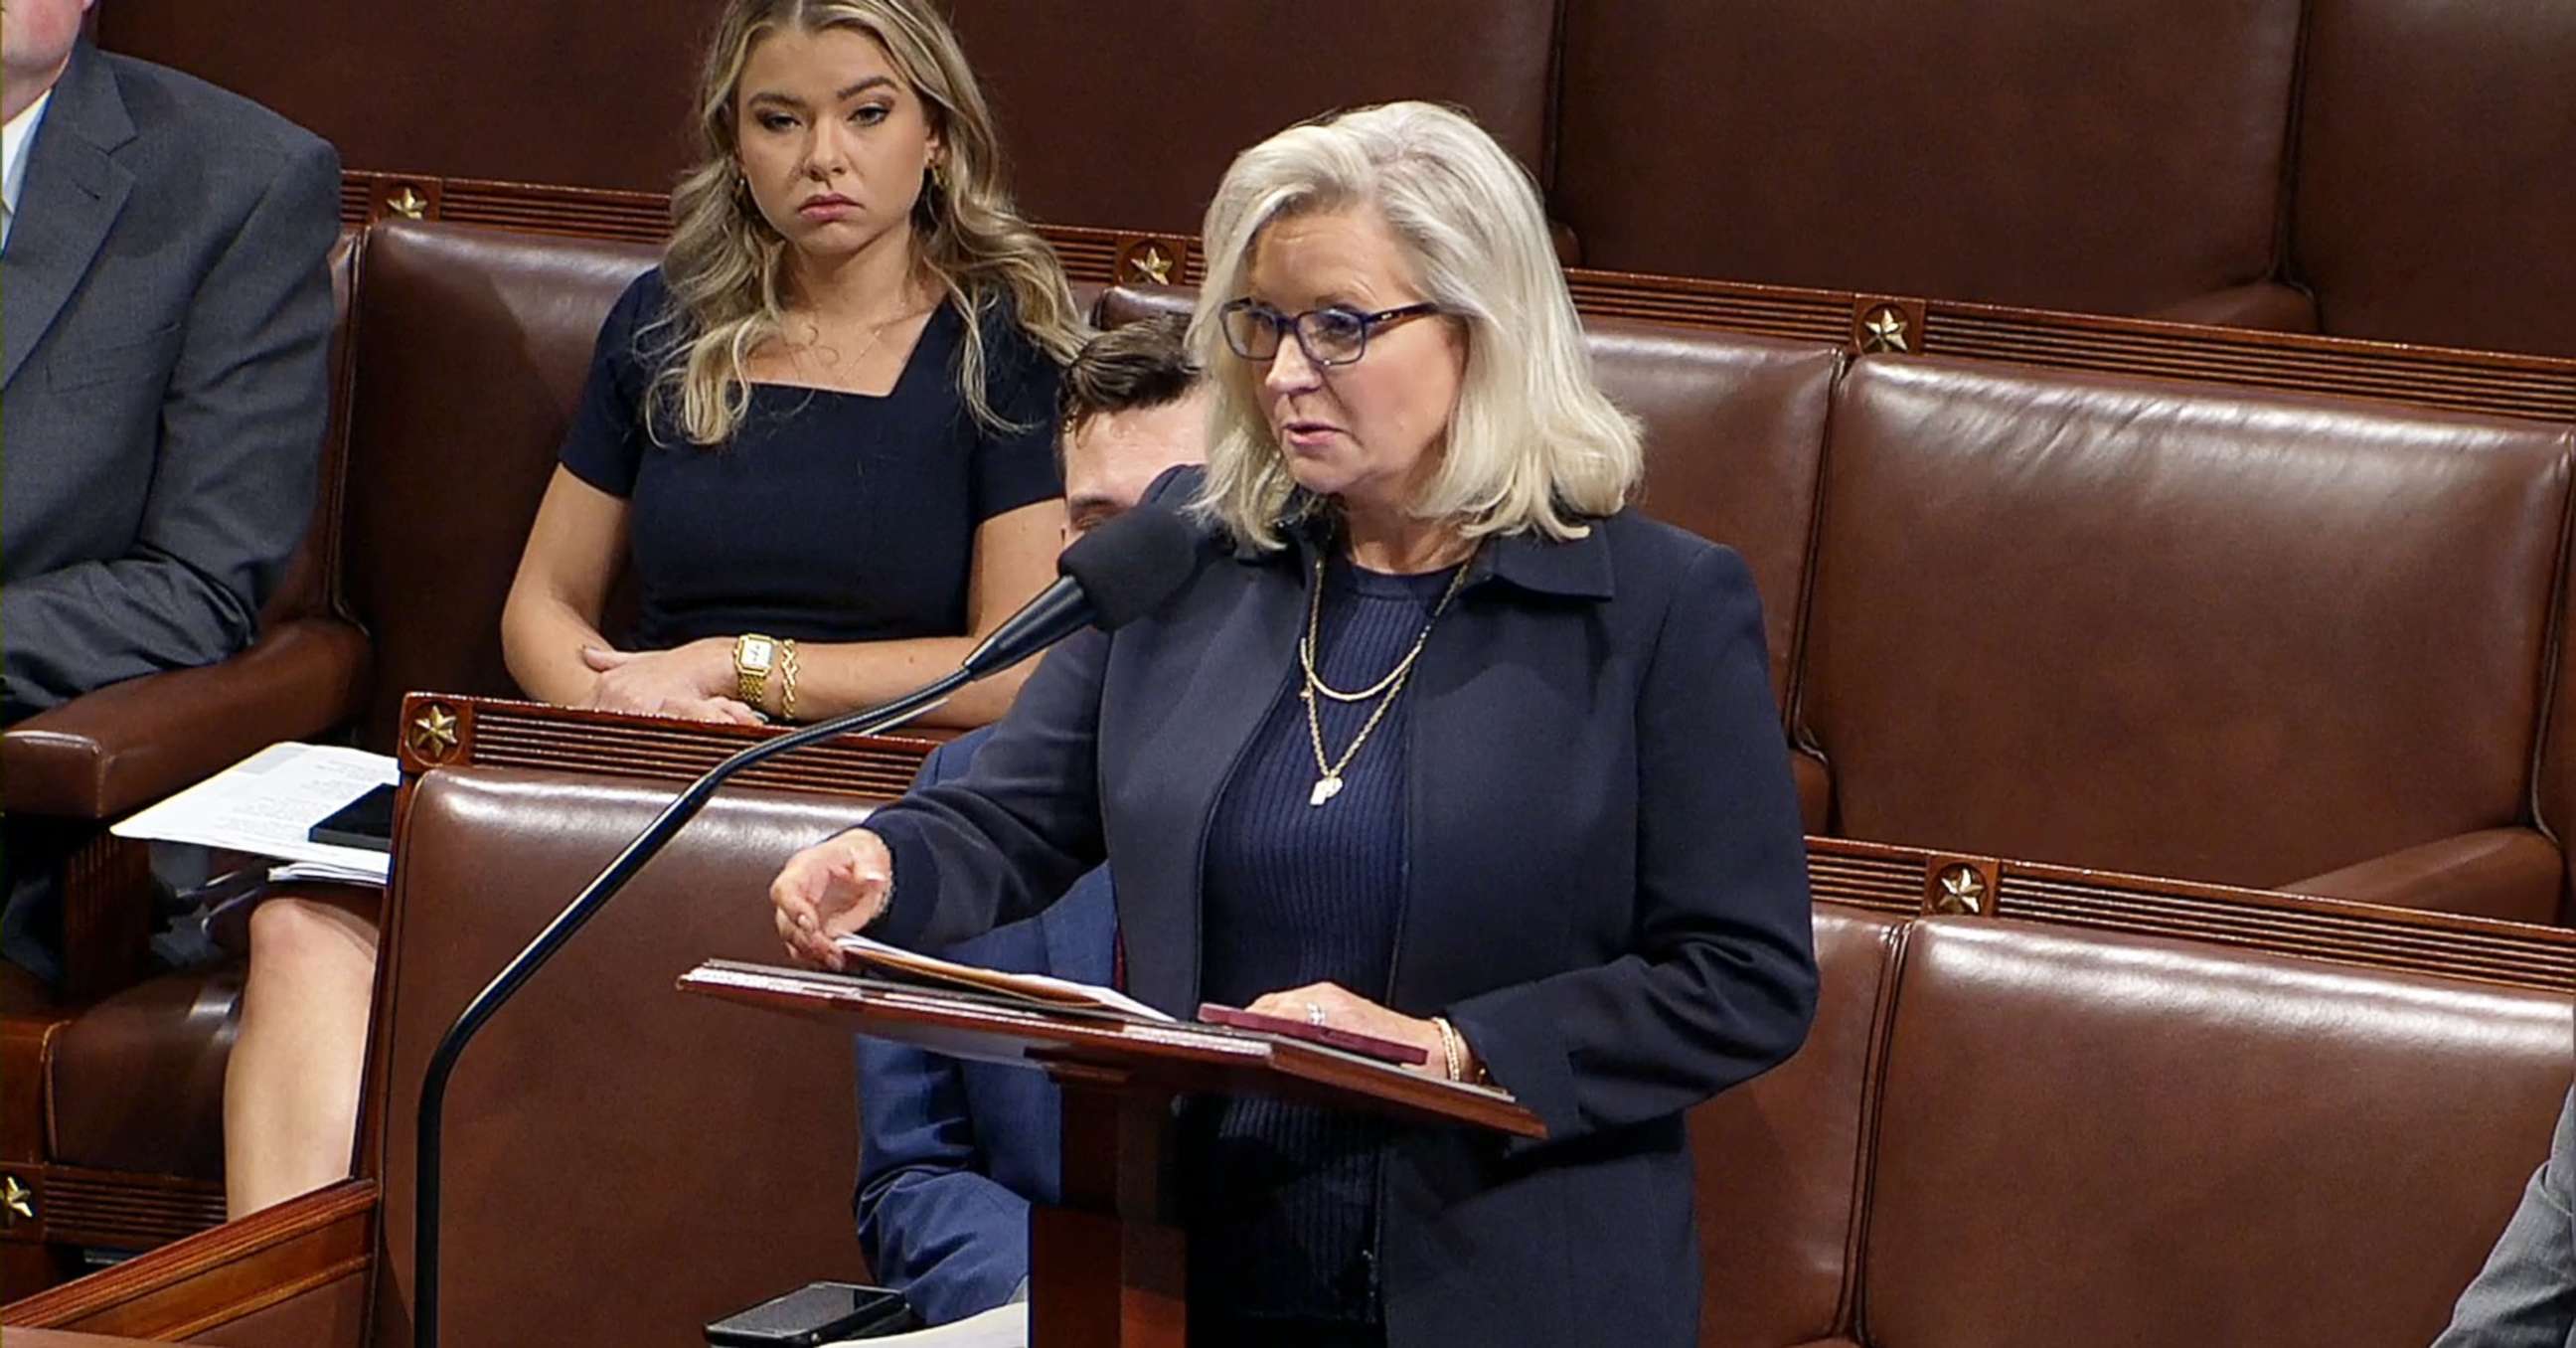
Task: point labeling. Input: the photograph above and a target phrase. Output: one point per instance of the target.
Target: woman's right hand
(832, 888)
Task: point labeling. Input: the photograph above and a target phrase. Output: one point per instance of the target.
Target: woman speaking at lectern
(1443, 743)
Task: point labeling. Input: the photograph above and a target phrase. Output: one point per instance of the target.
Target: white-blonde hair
(1533, 445)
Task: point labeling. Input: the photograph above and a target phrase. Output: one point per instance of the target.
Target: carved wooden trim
(256, 1262)
(500, 733)
(2503, 383)
(126, 1210)
(1890, 878)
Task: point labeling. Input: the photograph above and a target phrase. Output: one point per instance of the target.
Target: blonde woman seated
(820, 435)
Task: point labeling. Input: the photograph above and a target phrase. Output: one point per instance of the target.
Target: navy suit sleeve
(1720, 984)
(233, 482)
(1014, 832)
(2526, 1295)
(934, 1225)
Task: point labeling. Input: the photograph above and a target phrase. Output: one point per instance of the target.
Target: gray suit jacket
(165, 323)
(2526, 1295)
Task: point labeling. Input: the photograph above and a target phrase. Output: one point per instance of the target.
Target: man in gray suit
(2526, 1295)
(165, 320)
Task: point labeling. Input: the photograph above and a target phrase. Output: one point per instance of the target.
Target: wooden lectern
(1106, 1266)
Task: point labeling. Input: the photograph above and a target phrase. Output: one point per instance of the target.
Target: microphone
(1109, 577)
(1117, 573)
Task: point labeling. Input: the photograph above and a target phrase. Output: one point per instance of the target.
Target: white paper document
(268, 803)
(1036, 988)
(1000, 1327)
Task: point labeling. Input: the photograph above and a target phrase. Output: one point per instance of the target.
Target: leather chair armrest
(2509, 873)
(305, 1258)
(128, 744)
(2267, 305)
(1815, 790)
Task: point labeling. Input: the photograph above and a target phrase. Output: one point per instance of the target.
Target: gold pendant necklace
(1328, 778)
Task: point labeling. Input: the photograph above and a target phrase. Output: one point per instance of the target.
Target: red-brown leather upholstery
(471, 350)
(1168, 94)
(632, 1161)
(2433, 200)
(1779, 1161)
(2093, 1138)
(2174, 630)
(2111, 156)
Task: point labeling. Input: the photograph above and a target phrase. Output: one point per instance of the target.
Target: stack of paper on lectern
(267, 805)
(1037, 989)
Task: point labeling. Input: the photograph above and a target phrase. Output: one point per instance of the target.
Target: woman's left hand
(1343, 1009)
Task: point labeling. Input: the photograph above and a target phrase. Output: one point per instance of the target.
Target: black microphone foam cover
(1133, 564)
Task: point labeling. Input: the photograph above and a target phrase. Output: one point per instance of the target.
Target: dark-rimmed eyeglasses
(1333, 335)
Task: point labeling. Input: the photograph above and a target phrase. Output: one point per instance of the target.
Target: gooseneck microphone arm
(593, 897)
(1119, 572)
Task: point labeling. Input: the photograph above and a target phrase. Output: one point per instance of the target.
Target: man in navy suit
(951, 1154)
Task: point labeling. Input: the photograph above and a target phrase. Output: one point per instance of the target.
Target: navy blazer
(951, 1153)
(1606, 889)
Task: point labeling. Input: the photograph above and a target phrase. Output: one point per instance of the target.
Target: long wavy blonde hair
(727, 269)
(1533, 445)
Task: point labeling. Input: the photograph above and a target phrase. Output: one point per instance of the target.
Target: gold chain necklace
(1328, 779)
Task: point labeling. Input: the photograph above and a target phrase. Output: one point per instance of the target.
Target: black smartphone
(366, 822)
(818, 1312)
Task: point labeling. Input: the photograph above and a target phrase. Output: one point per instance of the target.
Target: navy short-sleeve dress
(829, 516)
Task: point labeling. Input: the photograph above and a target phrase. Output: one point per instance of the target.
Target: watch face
(757, 652)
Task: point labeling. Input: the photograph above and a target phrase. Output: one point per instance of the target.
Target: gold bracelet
(787, 679)
(1452, 1052)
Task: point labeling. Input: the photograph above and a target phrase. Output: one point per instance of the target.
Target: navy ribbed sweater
(1283, 1197)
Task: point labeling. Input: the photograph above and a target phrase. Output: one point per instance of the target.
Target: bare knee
(299, 938)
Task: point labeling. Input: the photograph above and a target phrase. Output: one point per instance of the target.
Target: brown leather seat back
(305, 590)
(472, 345)
(2157, 627)
(2100, 156)
(623, 1162)
(2405, 232)
(1735, 427)
(1779, 1159)
(1125, 114)
(2103, 1138)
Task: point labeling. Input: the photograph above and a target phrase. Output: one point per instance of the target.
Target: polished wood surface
(1176, 1058)
(1897, 879)
(1108, 1264)
(443, 730)
(2510, 384)
(64, 1338)
(218, 1275)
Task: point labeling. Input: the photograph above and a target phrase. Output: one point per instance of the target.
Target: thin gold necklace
(1328, 771)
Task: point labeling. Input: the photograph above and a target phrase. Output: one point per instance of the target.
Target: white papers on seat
(1037, 988)
(1000, 1327)
(268, 803)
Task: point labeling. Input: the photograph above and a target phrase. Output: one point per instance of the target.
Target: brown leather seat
(1780, 1160)
(2433, 202)
(1961, 151)
(624, 1161)
(2179, 631)
(1169, 94)
(472, 346)
(2092, 1138)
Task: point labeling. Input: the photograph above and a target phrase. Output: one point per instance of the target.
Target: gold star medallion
(433, 732)
(408, 203)
(1883, 329)
(17, 1202)
(1962, 891)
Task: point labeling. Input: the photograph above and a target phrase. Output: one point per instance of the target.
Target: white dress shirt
(17, 137)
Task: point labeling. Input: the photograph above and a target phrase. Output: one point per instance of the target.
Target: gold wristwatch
(754, 656)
